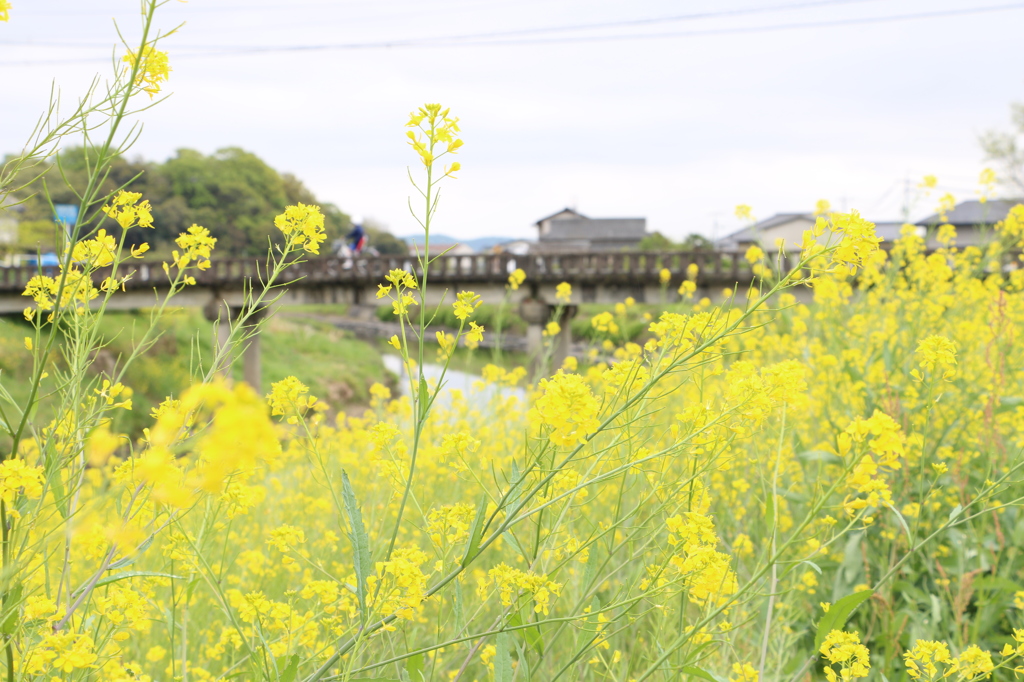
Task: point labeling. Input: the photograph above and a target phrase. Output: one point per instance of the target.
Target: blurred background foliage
(231, 192)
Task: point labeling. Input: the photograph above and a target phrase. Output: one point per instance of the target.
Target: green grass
(337, 367)
(486, 315)
(315, 308)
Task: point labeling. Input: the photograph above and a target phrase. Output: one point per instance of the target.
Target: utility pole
(906, 198)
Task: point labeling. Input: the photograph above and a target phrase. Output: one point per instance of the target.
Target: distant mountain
(477, 244)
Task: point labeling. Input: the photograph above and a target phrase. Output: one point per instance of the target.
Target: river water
(453, 379)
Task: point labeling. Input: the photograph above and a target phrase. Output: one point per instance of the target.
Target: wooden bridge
(595, 277)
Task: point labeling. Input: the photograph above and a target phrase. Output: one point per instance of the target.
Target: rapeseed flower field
(818, 477)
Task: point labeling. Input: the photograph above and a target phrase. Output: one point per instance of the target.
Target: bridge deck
(715, 267)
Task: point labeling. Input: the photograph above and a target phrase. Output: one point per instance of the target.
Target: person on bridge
(357, 237)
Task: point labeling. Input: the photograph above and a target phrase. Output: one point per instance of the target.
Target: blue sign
(66, 213)
(46, 260)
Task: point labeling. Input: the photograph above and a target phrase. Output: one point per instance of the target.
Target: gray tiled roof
(564, 210)
(596, 229)
(889, 231)
(975, 213)
(750, 233)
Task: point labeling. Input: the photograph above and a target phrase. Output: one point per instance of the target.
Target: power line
(652, 20)
(551, 29)
(246, 7)
(460, 41)
(766, 29)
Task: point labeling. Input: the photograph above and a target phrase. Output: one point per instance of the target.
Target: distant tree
(656, 241)
(694, 242)
(381, 239)
(1006, 148)
(35, 218)
(231, 192)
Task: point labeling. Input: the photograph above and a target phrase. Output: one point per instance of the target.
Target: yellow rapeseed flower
(563, 292)
(153, 70)
(436, 128)
(97, 252)
(926, 657)
(465, 303)
(474, 336)
(516, 279)
(744, 672)
(196, 245)
(303, 226)
(937, 351)
(18, 478)
(568, 407)
(289, 398)
(129, 210)
(845, 648)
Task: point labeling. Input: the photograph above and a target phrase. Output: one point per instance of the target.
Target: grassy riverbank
(337, 367)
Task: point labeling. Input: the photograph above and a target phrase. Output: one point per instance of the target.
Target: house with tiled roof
(569, 231)
(974, 220)
(789, 227)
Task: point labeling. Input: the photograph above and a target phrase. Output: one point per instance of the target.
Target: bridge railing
(634, 267)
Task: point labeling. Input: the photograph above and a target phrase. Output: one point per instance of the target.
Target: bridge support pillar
(251, 368)
(546, 358)
(222, 315)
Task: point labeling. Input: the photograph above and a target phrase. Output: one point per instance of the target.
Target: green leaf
(424, 398)
(523, 664)
(1007, 403)
(59, 497)
(460, 614)
(996, 583)
(13, 600)
(936, 608)
(955, 512)
(816, 567)
(502, 659)
(135, 574)
(360, 542)
(476, 531)
(373, 679)
(414, 666)
(903, 522)
(290, 671)
(531, 635)
(769, 511)
(819, 456)
(837, 616)
(191, 586)
(694, 671)
(517, 487)
(853, 566)
(131, 558)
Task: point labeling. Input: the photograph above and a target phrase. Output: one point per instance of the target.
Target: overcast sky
(657, 112)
